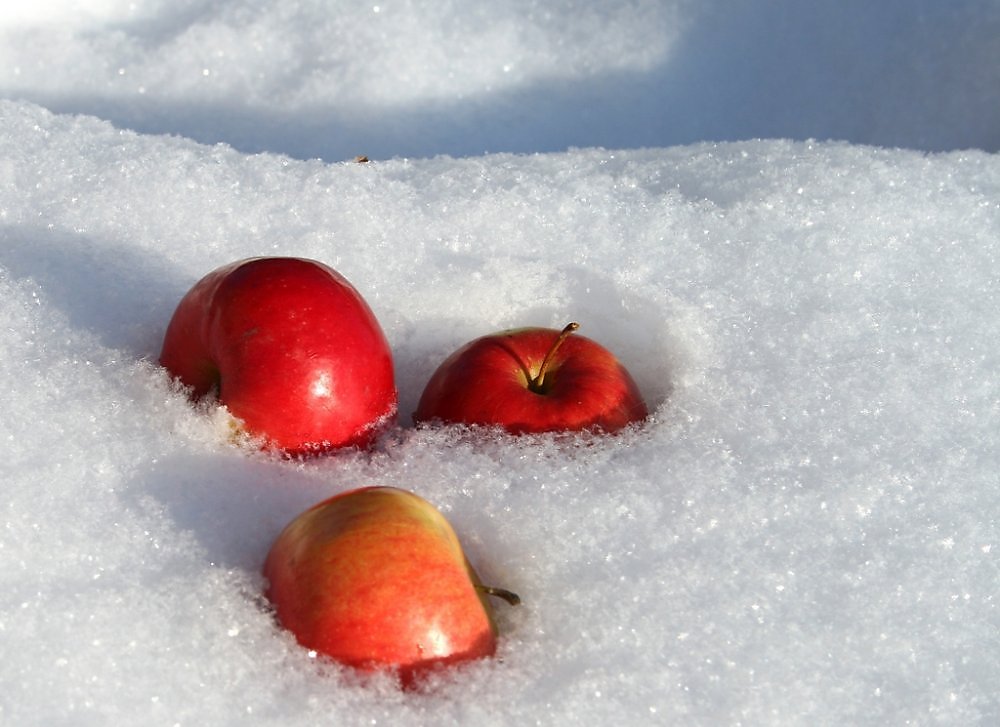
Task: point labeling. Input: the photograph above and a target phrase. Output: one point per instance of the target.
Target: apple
(533, 380)
(375, 578)
(292, 349)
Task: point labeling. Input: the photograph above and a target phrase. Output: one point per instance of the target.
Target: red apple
(293, 350)
(376, 578)
(533, 380)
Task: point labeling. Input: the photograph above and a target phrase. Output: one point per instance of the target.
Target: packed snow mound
(801, 532)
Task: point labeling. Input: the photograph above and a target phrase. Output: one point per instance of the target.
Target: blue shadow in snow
(122, 295)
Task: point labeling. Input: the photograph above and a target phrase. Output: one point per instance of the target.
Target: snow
(785, 220)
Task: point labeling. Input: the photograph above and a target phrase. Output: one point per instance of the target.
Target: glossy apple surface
(499, 380)
(376, 578)
(293, 349)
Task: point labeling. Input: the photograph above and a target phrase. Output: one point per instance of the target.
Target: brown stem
(510, 597)
(535, 384)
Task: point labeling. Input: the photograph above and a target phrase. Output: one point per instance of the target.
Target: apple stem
(510, 597)
(536, 384)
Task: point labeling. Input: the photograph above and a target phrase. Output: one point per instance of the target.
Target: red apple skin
(376, 578)
(486, 382)
(294, 350)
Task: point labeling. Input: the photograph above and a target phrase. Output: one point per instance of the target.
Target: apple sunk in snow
(375, 578)
(533, 380)
(293, 350)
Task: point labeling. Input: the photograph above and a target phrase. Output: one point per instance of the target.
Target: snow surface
(805, 532)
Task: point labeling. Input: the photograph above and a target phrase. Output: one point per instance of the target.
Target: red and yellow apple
(533, 380)
(376, 578)
(293, 350)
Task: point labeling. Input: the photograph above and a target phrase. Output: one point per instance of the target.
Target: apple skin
(375, 578)
(486, 382)
(294, 350)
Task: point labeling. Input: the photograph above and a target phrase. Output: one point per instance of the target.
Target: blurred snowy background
(784, 217)
(327, 79)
